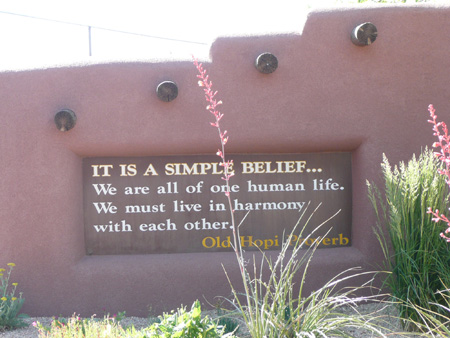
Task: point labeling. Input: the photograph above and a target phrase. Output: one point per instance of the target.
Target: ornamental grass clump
(435, 319)
(10, 302)
(418, 259)
(276, 306)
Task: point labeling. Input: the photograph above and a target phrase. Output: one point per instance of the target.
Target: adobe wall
(327, 95)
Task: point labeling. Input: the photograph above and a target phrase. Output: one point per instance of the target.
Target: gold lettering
(151, 170)
(259, 167)
(204, 167)
(300, 166)
(269, 167)
(290, 166)
(197, 168)
(213, 242)
(247, 167)
(280, 167)
(268, 164)
(105, 168)
(215, 168)
(128, 169)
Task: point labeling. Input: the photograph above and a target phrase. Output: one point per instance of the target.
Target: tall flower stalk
(441, 132)
(225, 163)
(212, 107)
(271, 308)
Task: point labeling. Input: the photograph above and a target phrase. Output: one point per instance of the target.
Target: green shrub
(76, 327)
(10, 304)
(229, 324)
(414, 252)
(86, 328)
(183, 324)
(180, 324)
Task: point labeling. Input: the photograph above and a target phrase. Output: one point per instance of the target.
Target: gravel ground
(388, 313)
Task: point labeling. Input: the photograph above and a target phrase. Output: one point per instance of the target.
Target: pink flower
(211, 106)
(441, 131)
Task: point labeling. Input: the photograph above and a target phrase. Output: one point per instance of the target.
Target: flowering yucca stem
(226, 164)
(444, 156)
(227, 167)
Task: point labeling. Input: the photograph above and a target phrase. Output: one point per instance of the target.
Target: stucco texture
(327, 95)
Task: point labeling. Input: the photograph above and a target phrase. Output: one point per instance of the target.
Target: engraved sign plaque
(177, 204)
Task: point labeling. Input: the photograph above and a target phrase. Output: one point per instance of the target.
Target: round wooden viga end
(364, 34)
(65, 120)
(266, 63)
(167, 91)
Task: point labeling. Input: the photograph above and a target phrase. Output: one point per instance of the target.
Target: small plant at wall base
(10, 302)
(179, 324)
(418, 259)
(229, 324)
(87, 328)
(186, 324)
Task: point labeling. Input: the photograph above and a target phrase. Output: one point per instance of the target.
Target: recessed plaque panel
(177, 204)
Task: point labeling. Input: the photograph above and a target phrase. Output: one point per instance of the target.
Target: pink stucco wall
(326, 95)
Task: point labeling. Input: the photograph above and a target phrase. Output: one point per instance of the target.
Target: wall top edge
(311, 18)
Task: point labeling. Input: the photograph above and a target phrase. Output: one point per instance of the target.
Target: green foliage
(276, 306)
(183, 324)
(75, 326)
(229, 324)
(180, 324)
(414, 252)
(271, 307)
(432, 323)
(152, 317)
(61, 322)
(119, 316)
(226, 318)
(10, 304)
(152, 320)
